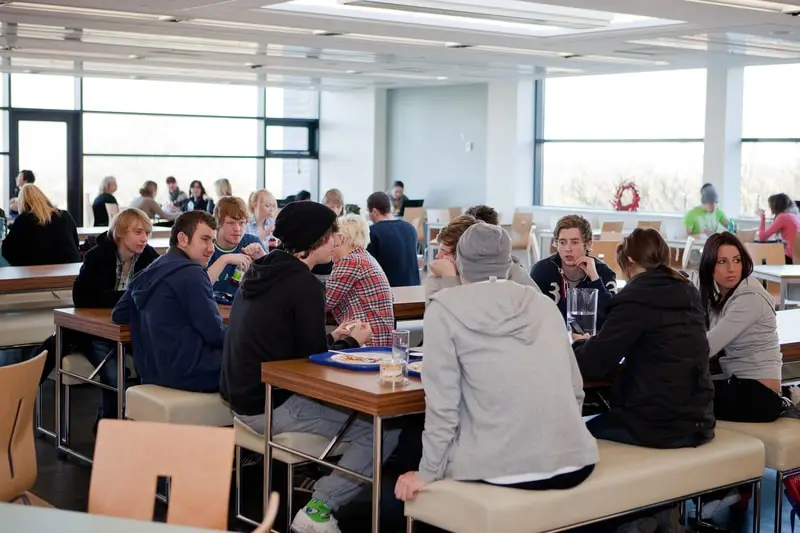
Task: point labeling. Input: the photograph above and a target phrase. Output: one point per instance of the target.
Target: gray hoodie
(515, 273)
(502, 388)
(747, 329)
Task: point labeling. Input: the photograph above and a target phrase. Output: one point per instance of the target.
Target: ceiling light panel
(755, 5)
(82, 11)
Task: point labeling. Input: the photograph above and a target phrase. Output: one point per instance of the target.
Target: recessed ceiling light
(134, 56)
(441, 78)
(351, 72)
(755, 5)
(326, 33)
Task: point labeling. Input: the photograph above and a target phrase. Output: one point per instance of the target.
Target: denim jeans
(13, 356)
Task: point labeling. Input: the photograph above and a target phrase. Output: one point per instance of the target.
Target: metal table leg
(120, 380)
(59, 385)
(267, 447)
(377, 470)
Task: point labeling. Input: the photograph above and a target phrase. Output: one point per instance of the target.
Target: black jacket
(99, 208)
(278, 314)
(547, 275)
(203, 204)
(664, 394)
(94, 286)
(29, 243)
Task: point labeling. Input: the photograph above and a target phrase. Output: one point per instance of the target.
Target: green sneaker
(315, 517)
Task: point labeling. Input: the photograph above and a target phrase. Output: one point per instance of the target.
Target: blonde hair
(125, 220)
(354, 230)
(32, 200)
(335, 197)
(223, 187)
(253, 199)
(104, 183)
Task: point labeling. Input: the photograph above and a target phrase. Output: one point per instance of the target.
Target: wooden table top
(38, 278)
(782, 272)
(87, 231)
(347, 388)
(409, 302)
(98, 322)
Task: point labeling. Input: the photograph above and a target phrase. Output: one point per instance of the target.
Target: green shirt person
(706, 218)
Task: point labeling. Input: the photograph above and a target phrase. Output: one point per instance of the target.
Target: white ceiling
(278, 43)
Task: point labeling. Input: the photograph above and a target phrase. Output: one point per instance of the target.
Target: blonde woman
(263, 209)
(357, 288)
(108, 186)
(147, 203)
(334, 199)
(41, 234)
(223, 188)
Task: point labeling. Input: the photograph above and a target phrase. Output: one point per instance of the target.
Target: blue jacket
(393, 243)
(176, 328)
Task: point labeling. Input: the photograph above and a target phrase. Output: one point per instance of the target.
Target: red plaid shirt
(358, 290)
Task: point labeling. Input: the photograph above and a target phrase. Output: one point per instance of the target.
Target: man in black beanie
(279, 313)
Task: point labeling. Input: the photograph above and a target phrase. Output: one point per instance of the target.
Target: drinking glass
(394, 370)
(582, 309)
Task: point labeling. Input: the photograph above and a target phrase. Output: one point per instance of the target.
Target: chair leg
(778, 501)
(409, 524)
(66, 415)
(238, 475)
(289, 496)
(757, 507)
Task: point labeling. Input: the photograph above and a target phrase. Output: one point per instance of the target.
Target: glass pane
(42, 91)
(292, 103)
(170, 97)
(767, 169)
(648, 105)
(668, 175)
(289, 176)
(768, 95)
(133, 134)
(290, 138)
(43, 149)
(132, 172)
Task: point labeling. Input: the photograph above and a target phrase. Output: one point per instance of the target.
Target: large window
(646, 128)
(770, 135)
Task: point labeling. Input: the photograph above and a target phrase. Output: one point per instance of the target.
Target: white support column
(722, 159)
(509, 146)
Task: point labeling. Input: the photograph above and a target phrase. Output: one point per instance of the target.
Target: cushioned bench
(161, 404)
(25, 328)
(626, 479)
(782, 444)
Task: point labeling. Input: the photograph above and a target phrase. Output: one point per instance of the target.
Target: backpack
(792, 490)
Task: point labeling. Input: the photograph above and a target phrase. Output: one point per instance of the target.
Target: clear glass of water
(394, 370)
(582, 309)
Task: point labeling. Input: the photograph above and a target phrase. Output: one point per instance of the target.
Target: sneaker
(315, 517)
(711, 508)
(794, 394)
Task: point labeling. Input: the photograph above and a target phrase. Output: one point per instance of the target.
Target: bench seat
(161, 404)
(23, 328)
(626, 478)
(781, 440)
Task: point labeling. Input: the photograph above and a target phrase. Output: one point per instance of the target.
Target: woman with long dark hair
(198, 198)
(743, 330)
(657, 324)
(786, 222)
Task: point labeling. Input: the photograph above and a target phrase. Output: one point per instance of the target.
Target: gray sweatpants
(300, 414)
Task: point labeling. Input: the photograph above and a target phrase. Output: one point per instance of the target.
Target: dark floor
(64, 482)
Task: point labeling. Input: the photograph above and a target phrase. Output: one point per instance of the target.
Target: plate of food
(415, 369)
(360, 358)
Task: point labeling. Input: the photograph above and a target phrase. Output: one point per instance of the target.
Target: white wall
(436, 143)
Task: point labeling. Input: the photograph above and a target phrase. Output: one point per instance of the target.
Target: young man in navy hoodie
(176, 327)
(572, 267)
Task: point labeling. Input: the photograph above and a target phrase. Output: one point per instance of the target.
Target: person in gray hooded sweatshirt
(503, 390)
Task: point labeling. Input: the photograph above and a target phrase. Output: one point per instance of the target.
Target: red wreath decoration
(626, 189)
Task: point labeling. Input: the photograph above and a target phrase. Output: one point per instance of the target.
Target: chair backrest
(270, 514)
(521, 230)
(419, 225)
(796, 249)
(130, 456)
(687, 253)
(607, 249)
(612, 227)
(611, 236)
(747, 235)
(19, 385)
(112, 209)
(411, 213)
(652, 224)
(442, 216)
(766, 253)
(534, 254)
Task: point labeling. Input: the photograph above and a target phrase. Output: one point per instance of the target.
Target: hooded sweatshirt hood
(148, 282)
(273, 269)
(505, 311)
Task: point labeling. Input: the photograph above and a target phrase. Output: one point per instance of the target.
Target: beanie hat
(708, 194)
(483, 252)
(300, 224)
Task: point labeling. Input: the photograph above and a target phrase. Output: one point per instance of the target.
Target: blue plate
(414, 373)
(327, 358)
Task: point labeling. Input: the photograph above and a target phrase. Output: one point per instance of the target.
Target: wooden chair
(747, 235)
(608, 251)
(521, 230)
(130, 456)
(413, 212)
(687, 253)
(652, 224)
(766, 253)
(442, 216)
(611, 227)
(610, 236)
(534, 254)
(269, 514)
(19, 385)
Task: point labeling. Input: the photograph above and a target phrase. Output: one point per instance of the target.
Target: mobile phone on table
(576, 328)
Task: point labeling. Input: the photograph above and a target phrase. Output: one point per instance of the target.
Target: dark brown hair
(648, 249)
(380, 201)
(453, 231)
(781, 203)
(187, 223)
(574, 222)
(709, 294)
(484, 213)
(149, 188)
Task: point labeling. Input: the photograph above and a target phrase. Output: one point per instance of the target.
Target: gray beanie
(483, 251)
(708, 194)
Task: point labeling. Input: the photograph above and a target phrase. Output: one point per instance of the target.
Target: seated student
(108, 186)
(484, 213)
(176, 327)
(657, 325)
(107, 269)
(786, 222)
(176, 195)
(357, 288)
(280, 291)
(393, 242)
(41, 234)
(262, 207)
(706, 218)
(444, 270)
(147, 203)
(492, 347)
(234, 250)
(24, 176)
(572, 267)
(743, 330)
(198, 199)
(398, 198)
(223, 188)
